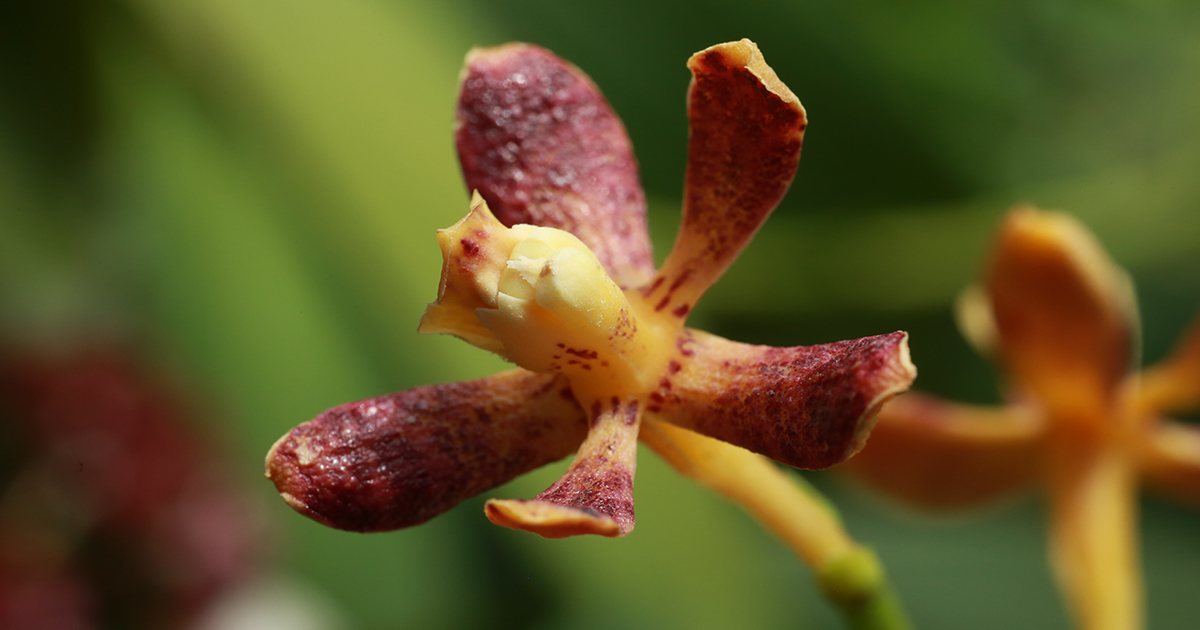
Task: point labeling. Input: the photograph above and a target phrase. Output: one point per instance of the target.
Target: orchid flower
(1060, 317)
(552, 270)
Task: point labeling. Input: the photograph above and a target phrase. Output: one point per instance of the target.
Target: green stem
(856, 583)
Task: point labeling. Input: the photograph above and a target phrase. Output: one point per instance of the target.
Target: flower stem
(849, 574)
(858, 586)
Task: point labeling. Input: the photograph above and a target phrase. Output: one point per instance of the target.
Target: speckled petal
(538, 140)
(1173, 386)
(401, 459)
(595, 496)
(807, 406)
(1170, 461)
(746, 132)
(1065, 314)
(942, 455)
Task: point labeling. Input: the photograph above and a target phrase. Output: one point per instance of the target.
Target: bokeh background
(241, 196)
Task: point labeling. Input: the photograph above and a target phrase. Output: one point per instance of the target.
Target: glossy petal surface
(398, 460)
(807, 406)
(537, 139)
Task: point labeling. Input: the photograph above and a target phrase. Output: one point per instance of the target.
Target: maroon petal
(401, 459)
(538, 140)
(746, 132)
(595, 496)
(807, 406)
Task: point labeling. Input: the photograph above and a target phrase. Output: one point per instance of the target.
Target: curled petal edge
(549, 519)
(806, 406)
(595, 496)
(746, 133)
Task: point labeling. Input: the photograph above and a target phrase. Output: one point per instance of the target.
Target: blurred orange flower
(1060, 318)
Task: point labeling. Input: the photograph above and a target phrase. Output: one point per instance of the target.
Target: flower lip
(540, 298)
(474, 255)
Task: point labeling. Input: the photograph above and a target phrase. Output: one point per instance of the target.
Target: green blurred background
(247, 191)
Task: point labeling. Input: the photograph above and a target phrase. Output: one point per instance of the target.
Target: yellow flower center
(540, 298)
